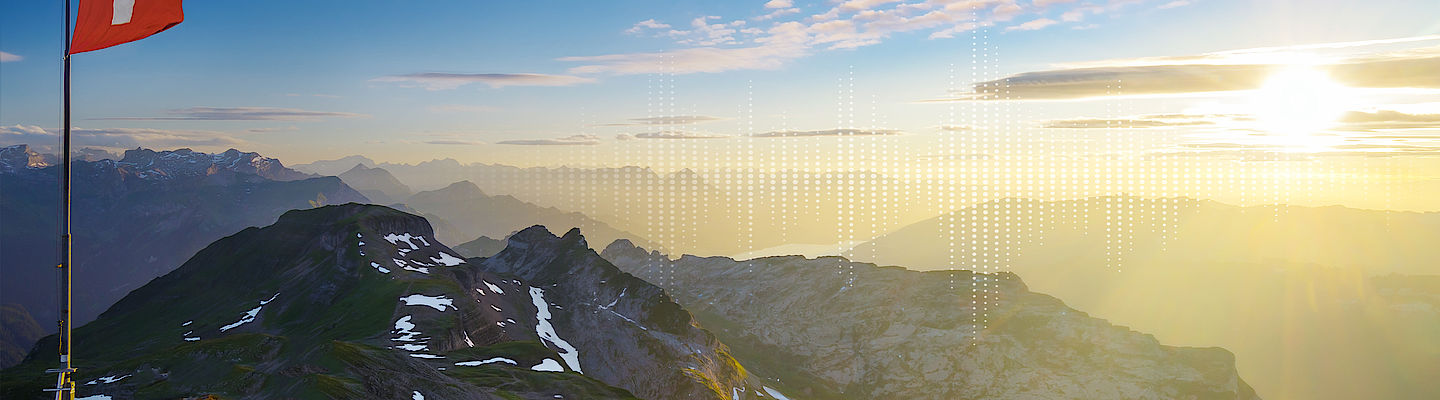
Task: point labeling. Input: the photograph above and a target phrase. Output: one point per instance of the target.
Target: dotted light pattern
(998, 184)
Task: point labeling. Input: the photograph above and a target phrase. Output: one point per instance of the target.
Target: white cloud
(1033, 25)
(779, 4)
(713, 46)
(1174, 4)
(646, 25)
(8, 57)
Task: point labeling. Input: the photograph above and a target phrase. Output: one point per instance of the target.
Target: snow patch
(380, 268)
(492, 287)
(406, 331)
(422, 355)
(774, 393)
(548, 366)
(415, 395)
(438, 303)
(547, 331)
(187, 323)
(107, 379)
(94, 397)
(447, 260)
(405, 237)
(489, 361)
(413, 347)
(467, 339)
(249, 315)
(627, 319)
(403, 265)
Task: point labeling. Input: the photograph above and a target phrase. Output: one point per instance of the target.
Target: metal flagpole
(64, 385)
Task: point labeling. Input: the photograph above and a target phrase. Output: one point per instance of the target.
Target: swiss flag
(105, 23)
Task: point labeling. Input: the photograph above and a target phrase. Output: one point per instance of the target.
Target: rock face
(19, 157)
(376, 184)
(628, 331)
(361, 301)
(137, 218)
(858, 331)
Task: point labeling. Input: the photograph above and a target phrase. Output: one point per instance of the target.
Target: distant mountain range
(687, 211)
(1117, 231)
(831, 328)
(135, 218)
(467, 213)
(1316, 302)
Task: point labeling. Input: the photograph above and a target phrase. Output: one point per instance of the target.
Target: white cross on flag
(105, 23)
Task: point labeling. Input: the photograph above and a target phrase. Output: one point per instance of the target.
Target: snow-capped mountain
(150, 164)
(19, 157)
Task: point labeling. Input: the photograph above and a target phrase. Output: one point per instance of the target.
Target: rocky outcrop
(887, 332)
(18, 157)
(626, 331)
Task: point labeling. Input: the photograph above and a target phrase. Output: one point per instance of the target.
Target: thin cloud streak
(446, 81)
(242, 114)
(667, 120)
(828, 132)
(574, 140)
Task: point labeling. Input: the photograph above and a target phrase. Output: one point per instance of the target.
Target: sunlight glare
(1298, 102)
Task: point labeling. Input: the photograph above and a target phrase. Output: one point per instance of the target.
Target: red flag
(105, 23)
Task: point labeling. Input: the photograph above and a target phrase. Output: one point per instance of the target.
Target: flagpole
(64, 385)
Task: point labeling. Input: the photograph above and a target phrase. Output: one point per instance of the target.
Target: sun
(1299, 101)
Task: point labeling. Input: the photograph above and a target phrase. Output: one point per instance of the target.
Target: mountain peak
(461, 189)
(359, 167)
(20, 156)
(539, 235)
(376, 217)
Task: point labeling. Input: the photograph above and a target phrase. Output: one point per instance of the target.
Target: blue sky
(323, 79)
